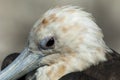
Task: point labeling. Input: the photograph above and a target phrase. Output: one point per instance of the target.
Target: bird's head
(63, 34)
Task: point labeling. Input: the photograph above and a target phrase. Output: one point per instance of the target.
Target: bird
(65, 40)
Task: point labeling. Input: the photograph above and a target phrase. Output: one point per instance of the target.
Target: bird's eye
(50, 42)
(47, 43)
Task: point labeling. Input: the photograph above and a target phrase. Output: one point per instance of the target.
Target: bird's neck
(67, 65)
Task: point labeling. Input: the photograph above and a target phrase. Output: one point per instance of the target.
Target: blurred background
(18, 16)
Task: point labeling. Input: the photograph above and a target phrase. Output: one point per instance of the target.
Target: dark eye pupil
(50, 42)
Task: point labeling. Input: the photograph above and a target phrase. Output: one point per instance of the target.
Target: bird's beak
(24, 63)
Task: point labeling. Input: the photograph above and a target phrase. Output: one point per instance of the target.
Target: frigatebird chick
(66, 39)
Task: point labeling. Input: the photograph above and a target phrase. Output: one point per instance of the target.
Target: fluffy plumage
(78, 42)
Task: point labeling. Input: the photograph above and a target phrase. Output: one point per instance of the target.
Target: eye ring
(47, 43)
